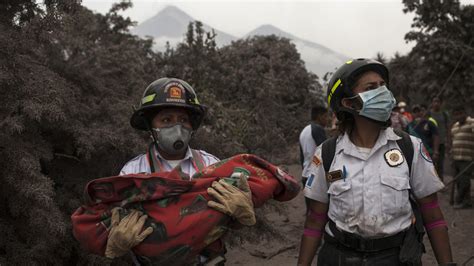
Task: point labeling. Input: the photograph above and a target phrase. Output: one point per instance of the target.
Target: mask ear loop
(352, 108)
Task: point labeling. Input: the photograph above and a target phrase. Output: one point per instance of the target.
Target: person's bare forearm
(314, 226)
(308, 248)
(439, 240)
(436, 227)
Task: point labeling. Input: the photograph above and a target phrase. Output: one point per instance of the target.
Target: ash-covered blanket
(176, 206)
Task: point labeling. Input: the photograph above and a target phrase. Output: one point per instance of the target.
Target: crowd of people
(442, 135)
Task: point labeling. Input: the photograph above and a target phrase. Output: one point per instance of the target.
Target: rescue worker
(311, 136)
(361, 202)
(171, 112)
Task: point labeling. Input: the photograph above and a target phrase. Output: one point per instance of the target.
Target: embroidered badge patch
(394, 157)
(175, 92)
(316, 160)
(424, 153)
(334, 176)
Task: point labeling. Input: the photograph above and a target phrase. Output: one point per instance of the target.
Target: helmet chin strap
(148, 127)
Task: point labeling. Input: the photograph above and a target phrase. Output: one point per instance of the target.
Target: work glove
(126, 233)
(233, 201)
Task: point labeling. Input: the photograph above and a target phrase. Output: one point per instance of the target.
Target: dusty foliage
(440, 63)
(68, 80)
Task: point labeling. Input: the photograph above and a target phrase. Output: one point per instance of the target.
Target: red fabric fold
(176, 207)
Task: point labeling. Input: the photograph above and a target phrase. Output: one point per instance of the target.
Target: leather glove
(233, 201)
(126, 233)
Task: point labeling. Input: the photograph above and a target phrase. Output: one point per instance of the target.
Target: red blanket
(177, 208)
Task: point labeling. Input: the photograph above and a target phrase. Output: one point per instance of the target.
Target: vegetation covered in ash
(68, 80)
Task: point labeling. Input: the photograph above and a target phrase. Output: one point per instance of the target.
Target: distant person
(463, 154)
(311, 136)
(404, 111)
(441, 119)
(398, 120)
(426, 130)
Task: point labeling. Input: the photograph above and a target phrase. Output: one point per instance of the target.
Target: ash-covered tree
(69, 78)
(440, 62)
(269, 90)
(258, 91)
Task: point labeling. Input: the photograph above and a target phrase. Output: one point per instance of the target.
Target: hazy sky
(354, 28)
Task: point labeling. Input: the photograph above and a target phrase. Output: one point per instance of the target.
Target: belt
(359, 243)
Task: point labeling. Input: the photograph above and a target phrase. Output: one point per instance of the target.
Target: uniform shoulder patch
(424, 153)
(394, 157)
(316, 160)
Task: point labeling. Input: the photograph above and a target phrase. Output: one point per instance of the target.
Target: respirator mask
(174, 139)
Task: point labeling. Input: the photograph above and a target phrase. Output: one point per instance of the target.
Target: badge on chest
(334, 176)
(394, 157)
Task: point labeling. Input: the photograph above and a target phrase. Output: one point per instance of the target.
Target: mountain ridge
(176, 23)
(170, 25)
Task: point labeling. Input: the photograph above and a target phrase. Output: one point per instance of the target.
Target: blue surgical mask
(377, 104)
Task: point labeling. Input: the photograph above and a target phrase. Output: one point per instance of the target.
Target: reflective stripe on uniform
(433, 121)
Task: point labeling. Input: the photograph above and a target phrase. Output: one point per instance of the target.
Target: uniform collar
(344, 144)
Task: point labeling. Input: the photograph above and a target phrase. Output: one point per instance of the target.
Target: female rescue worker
(171, 112)
(361, 200)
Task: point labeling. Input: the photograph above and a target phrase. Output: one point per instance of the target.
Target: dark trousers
(439, 164)
(332, 254)
(463, 184)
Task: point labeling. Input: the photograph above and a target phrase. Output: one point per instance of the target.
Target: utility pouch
(413, 247)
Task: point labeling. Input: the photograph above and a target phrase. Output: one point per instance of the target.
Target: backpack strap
(406, 146)
(313, 132)
(328, 150)
(316, 130)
